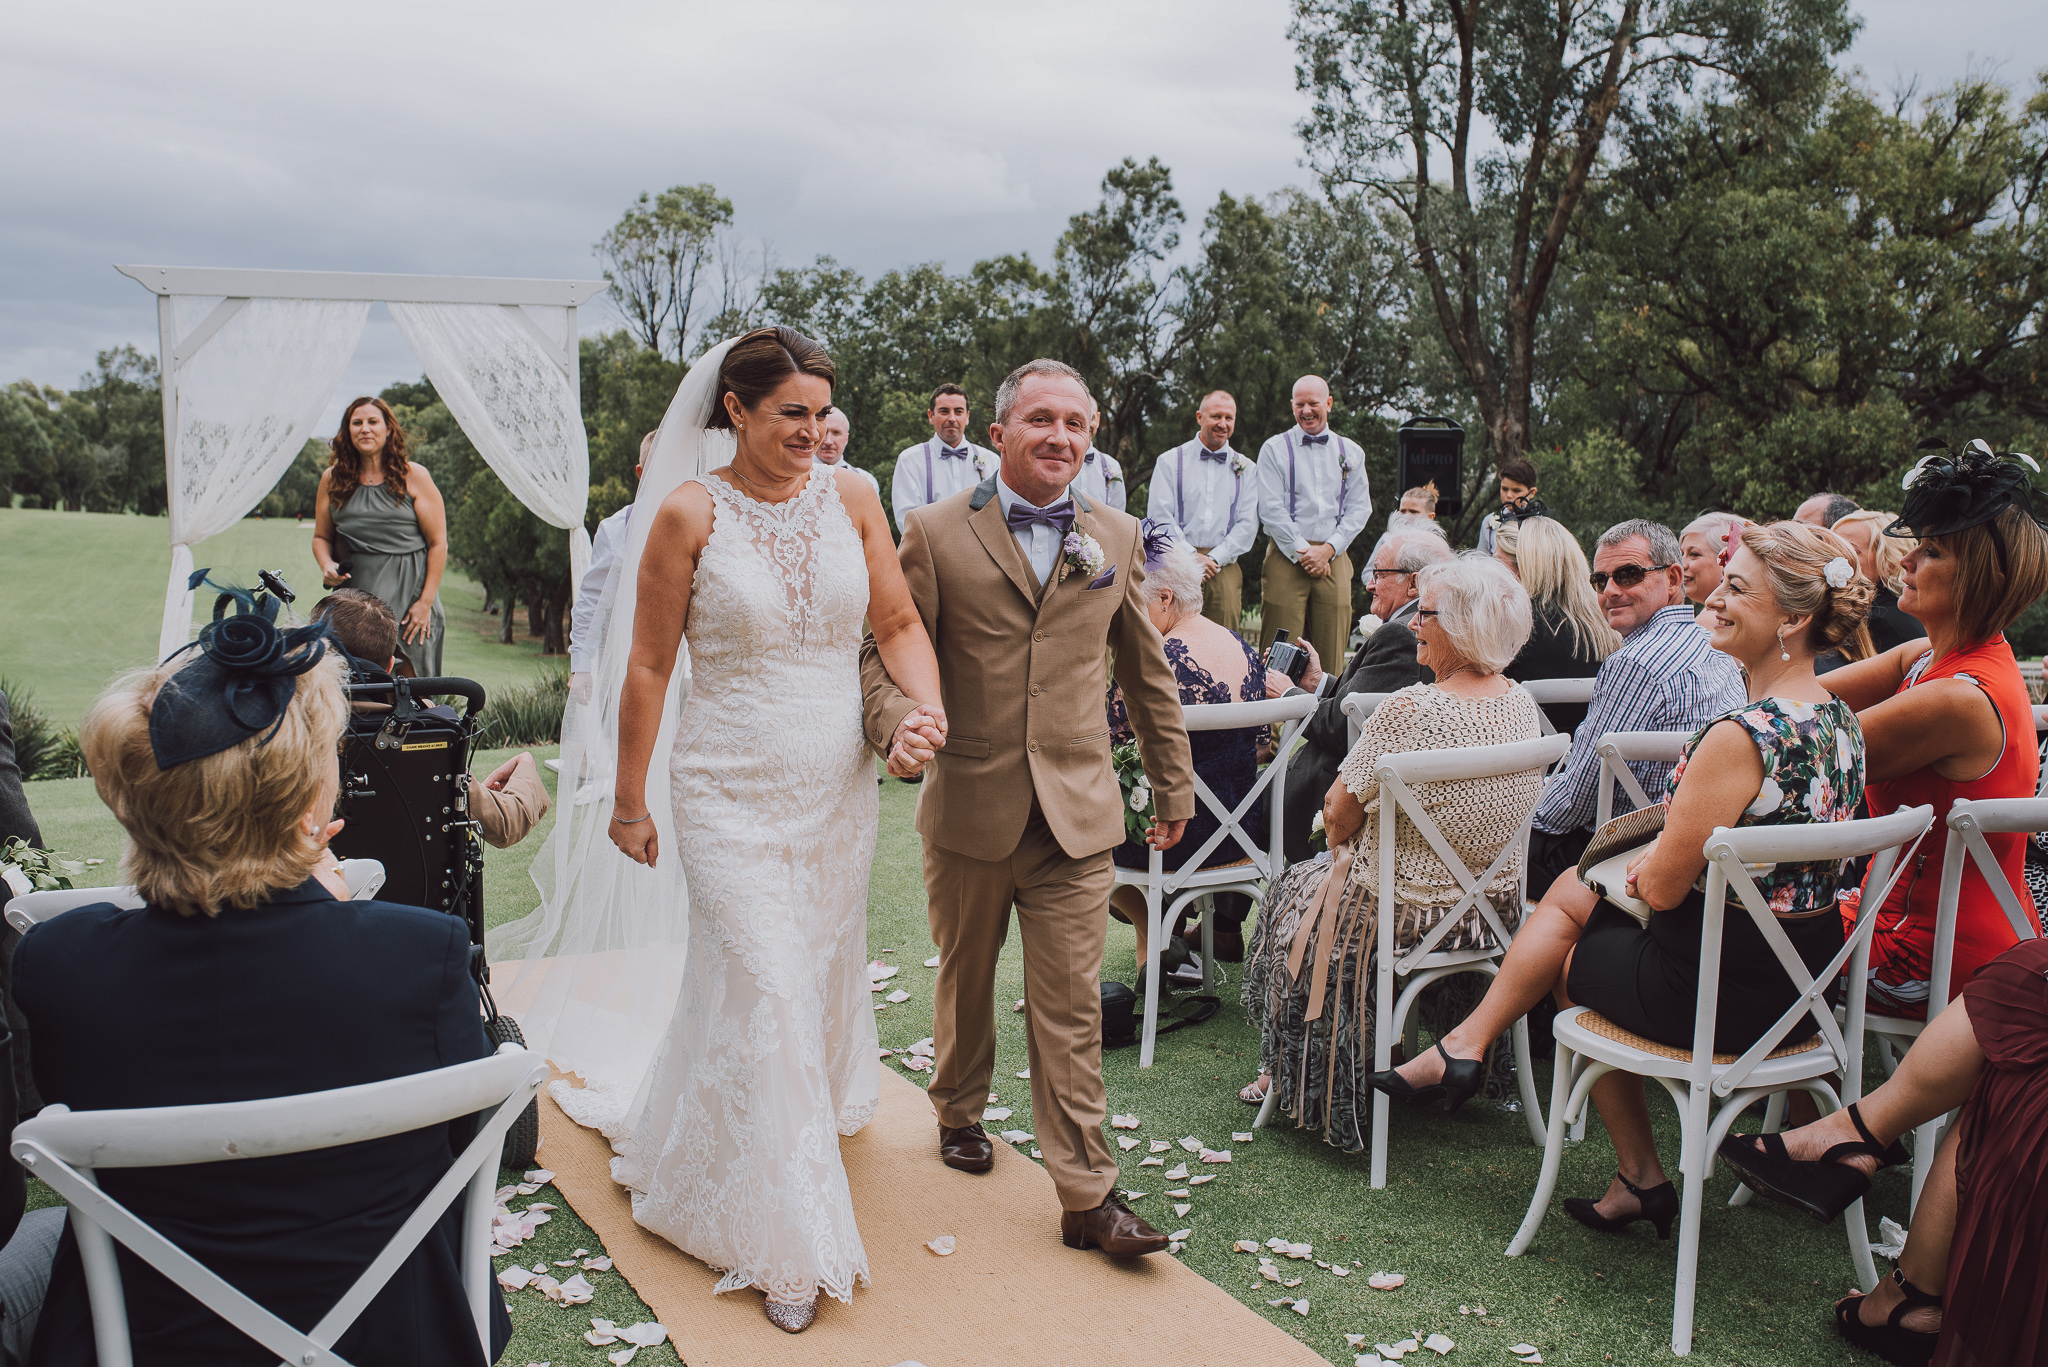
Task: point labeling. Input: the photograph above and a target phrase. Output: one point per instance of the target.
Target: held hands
(1164, 835)
(419, 618)
(919, 737)
(1209, 567)
(1316, 560)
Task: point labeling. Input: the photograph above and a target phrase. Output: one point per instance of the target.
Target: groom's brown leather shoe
(1110, 1227)
(967, 1148)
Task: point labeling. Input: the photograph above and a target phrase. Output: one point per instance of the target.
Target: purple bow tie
(1059, 517)
(1218, 456)
(948, 453)
(1317, 440)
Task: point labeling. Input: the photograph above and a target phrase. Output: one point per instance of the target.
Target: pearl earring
(1783, 653)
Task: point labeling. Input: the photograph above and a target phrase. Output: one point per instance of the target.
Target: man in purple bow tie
(943, 466)
(1027, 586)
(1314, 501)
(1211, 493)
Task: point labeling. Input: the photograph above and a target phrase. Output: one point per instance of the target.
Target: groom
(1024, 585)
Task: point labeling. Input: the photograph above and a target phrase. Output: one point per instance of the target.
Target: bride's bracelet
(632, 820)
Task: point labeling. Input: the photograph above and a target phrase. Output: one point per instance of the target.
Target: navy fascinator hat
(1949, 491)
(1159, 536)
(239, 685)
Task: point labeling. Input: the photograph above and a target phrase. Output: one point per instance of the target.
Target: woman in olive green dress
(379, 525)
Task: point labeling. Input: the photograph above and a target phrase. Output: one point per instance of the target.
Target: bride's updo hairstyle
(759, 362)
(1796, 557)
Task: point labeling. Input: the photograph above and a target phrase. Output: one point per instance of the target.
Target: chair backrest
(65, 1148)
(1357, 707)
(1562, 691)
(363, 876)
(1398, 775)
(1730, 855)
(1617, 749)
(1291, 713)
(1968, 823)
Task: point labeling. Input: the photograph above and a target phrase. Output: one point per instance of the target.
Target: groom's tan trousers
(1062, 905)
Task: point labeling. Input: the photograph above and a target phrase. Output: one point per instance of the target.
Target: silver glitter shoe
(792, 1319)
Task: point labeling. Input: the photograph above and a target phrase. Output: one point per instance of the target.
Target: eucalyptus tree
(658, 255)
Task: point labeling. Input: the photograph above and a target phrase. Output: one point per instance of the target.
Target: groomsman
(837, 431)
(1313, 500)
(1212, 494)
(1101, 478)
(946, 464)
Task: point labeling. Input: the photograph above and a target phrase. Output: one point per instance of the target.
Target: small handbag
(1604, 865)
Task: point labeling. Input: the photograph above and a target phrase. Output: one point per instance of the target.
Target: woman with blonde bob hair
(1471, 621)
(246, 976)
(1568, 636)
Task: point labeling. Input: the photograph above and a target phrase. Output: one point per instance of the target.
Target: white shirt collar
(1011, 497)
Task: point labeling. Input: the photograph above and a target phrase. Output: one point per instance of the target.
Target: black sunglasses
(1624, 576)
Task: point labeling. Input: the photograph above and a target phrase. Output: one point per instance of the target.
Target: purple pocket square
(1107, 578)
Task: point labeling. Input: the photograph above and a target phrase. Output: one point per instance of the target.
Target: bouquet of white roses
(1137, 789)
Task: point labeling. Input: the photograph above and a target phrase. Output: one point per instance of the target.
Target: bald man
(1314, 502)
(1211, 493)
(835, 432)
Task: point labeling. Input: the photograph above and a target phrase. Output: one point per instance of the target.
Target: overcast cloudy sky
(503, 139)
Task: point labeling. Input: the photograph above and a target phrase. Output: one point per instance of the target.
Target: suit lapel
(993, 528)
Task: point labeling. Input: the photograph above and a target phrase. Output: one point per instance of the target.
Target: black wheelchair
(405, 798)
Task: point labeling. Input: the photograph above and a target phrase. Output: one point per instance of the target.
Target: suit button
(1034, 747)
(1038, 636)
(1034, 690)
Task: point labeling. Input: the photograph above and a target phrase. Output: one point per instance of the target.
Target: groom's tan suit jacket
(1026, 682)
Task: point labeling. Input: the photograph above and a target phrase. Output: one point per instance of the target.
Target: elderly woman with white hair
(1213, 665)
(1473, 619)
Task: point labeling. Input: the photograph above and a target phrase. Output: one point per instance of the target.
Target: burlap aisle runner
(1010, 1296)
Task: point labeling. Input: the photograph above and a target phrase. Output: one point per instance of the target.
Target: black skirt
(1646, 979)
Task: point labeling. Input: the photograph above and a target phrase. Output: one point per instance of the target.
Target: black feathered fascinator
(1159, 537)
(1522, 509)
(240, 684)
(1948, 491)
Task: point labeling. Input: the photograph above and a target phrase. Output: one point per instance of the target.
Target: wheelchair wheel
(524, 1135)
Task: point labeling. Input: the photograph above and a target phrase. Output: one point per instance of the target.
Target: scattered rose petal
(1295, 1282)
(996, 1113)
(597, 1340)
(540, 1205)
(1181, 1235)
(1241, 1136)
(1438, 1344)
(1213, 1156)
(90, 863)
(1354, 1341)
(1299, 1250)
(1176, 1173)
(599, 1264)
(619, 1357)
(1175, 1245)
(1181, 1210)
(932, 962)
(1200, 1178)
(943, 1245)
(1385, 1281)
(1019, 1006)
(1036, 1154)
(541, 1175)
(993, 1098)
(884, 1053)
(1134, 1196)
(1192, 1144)
(1368, 1360)
(916, 1063)
(1244, 1246)
(1276, 1243)
(923, 1048)
(1123, 1122)
(578, 1252)
(1024, 1076)
(1151, 1162)
(565, 1262)
(1521, 1349)
(1269, 1272)
(1301, 1306)
(1159, 1146)
(646, 1334)
(576, 1291)
(513, 1278)
(1179, 1193)
(1340, 1271)
(899, 995)
(1536, 1359)
(1018, 1136)
(879, 972)
(1126, 1143)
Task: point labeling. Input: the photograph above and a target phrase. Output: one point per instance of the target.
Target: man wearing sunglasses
(1664, 677)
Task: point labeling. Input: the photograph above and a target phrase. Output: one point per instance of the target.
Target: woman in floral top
(1792, 755)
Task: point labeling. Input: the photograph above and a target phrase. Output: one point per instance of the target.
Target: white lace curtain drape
(246, 403)
(492, 365)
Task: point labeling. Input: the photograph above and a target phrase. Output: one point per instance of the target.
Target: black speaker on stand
(1427, 449)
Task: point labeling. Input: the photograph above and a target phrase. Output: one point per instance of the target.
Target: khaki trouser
(1290, 595)
(1223, 595)
(1060, 904)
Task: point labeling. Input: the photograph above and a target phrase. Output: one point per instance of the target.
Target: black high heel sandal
(1659, 1205)
(1823, 1187)
(1461, 1079)
(1903, 1347)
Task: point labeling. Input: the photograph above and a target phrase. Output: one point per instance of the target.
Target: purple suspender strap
(930, 494)
(1343, 480)
(1180, 488)
(1289, 438)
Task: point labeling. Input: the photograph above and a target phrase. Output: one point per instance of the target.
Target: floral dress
(1228, 761)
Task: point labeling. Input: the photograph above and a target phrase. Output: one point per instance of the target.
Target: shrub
(527, 715)
(41, 747)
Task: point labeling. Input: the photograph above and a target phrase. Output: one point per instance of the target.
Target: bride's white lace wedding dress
(731, 1148)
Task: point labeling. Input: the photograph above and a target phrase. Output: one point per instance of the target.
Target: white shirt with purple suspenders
(1312, 490)
(930, 471)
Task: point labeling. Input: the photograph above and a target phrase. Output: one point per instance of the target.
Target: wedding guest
(1213, 664)
(379, 511)
(246, 976)
(1971, 1281)
(1948, 716)
(1790, 755)
(945, 465)
(1879, 559)
(1398, 524)
(1701, 547)
(835, 432)
(1825, 509)
(1313, 500)
(1211, 493)
(1472, 619)
(1101, 478)
(1664, 676)
(1419, 501)
(1517, 478)
(1568, 635)
(1388, 662)
(508, 804)
(606, 548)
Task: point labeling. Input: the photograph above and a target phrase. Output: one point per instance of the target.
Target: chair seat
(1898, 1027)
(1595, 1023)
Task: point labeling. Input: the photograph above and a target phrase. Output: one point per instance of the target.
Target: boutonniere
(1347, 459)
(1241, 463)
(1082, 554)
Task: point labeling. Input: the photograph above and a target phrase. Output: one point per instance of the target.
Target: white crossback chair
(1357, 707)
(1169, 891)
(68, 1148)
(1617, 750)
(1414, 967)
(1547, 691)
(364, 878)
(1711, 1090)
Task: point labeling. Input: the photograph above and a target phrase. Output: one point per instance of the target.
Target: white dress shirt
(868, 475)
(1312, 491)
(1102, 479)
(1040, 543)
(924, 475)
(1212, 502)
(605, 549)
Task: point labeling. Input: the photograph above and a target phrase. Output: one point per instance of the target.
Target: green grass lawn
(85, 596)
(1457, 1187)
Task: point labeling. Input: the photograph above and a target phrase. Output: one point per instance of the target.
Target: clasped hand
(919, 737)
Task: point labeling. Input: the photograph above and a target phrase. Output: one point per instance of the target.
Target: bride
(762, 569)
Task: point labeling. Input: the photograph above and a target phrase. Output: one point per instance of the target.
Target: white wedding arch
(250, 359)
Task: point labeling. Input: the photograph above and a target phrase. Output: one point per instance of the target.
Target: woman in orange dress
(1948, 716)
